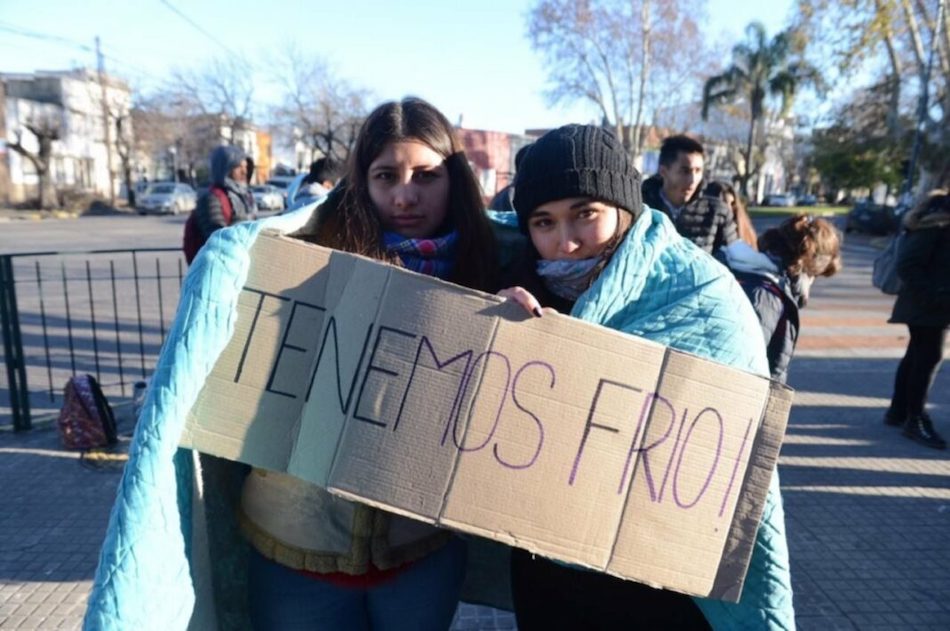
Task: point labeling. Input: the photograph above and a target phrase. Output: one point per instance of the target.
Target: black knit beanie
(576, 161)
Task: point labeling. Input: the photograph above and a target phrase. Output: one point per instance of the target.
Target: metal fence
(102, 312)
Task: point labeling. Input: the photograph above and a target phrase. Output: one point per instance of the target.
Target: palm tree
(759, 68)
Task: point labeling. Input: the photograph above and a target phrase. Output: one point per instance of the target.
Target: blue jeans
(422, 597)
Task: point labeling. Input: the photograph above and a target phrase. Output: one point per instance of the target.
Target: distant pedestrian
(677, 191)
(323, 176)
(224, 204)
(777, 279)
(732, 199)
(503, 199)
(923, 304)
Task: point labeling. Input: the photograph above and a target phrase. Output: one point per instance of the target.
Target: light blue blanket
(148, 570)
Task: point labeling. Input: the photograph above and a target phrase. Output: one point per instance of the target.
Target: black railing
(102, 312)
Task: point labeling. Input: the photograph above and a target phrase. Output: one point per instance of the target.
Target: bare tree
(318, 107)
(46, 129)
(224, 87)
(627, 59)
(168, 130)
(124, 145)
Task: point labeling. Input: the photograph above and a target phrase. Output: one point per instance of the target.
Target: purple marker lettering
(501, 404)
(712, 470)
(735, 468)
(590, 424)
(645, 451)
(514, 397)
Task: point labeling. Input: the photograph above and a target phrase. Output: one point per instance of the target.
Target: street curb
(36, 215)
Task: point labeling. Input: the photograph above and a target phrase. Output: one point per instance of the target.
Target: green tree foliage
(857, 150)
(761, 68)
(892, 39)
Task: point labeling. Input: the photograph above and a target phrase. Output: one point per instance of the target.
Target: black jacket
(776, 303)
(923, 264)
(706, 221)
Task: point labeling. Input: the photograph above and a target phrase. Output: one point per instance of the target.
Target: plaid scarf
(433, 257)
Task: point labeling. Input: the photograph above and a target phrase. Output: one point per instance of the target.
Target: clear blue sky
(471, 59)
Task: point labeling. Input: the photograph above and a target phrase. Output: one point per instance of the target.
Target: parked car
(780, 199)
(866, 216)
(807, 200)
(268, 197)
(167, 198)
(281, 183)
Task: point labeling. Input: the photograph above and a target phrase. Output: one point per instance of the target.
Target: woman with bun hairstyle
(778, 278)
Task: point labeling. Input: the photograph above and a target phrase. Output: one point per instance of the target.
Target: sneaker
(920, 429)
(893, 420)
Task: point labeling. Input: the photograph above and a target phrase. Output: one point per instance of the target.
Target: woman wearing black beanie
(594, 251)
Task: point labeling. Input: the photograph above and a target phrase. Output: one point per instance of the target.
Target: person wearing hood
(226, 201)
(777, 279)
(677, 191)
(923, 304)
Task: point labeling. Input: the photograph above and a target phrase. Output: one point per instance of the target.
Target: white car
(780, 199)
(167, 198)
(268, 197)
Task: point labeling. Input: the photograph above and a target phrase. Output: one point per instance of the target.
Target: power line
(198, 27)
(6, 26)
(49, 37)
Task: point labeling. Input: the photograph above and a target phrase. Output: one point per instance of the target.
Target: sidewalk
(868, 511)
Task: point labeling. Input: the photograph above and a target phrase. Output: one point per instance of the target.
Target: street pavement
(868, 511)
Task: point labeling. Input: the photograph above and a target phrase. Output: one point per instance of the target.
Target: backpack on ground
(193, 239)
(884, 276)
(86, 419)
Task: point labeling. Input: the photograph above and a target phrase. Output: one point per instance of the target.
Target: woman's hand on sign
(524, 298)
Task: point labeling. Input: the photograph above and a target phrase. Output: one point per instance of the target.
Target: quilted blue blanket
(151, 567)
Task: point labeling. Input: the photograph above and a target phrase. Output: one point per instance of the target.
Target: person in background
(318, 561)
(249, 161)
(923, 304)
(248, 181)
(315, 185)
(225, 203)
(729, 196)
(677, 191)
(593, 250)
(323, 176)
(502, 199)
(777, 279)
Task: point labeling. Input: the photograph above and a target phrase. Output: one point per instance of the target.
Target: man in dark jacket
(228, 173)
(677, 191)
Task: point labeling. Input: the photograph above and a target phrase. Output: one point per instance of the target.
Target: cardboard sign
(450, 406)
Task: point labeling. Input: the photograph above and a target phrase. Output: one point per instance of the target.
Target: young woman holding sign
(596, 252)
(318, 561)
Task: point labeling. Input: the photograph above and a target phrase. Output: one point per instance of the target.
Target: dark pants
(917, 370)
(549, 596)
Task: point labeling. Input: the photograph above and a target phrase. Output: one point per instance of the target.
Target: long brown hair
(720, 189)
(349, 220)
(801, 242)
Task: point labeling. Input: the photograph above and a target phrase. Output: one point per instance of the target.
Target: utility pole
(924, 103)
(105, 121)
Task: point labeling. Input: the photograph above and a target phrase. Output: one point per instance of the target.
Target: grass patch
(820, 211)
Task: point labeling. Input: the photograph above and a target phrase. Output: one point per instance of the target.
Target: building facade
(77, 105)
